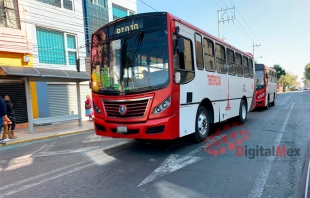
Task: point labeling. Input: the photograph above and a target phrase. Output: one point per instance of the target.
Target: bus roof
(210, 35)
(183, 22)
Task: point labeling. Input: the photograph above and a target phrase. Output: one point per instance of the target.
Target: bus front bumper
(157, 129)
(260, 102)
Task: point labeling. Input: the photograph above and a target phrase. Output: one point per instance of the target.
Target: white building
(59, 29)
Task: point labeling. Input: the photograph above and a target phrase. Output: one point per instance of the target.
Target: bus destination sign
(128, 26)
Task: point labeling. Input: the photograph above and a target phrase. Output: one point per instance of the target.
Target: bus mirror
(78, 65)
(180, 44)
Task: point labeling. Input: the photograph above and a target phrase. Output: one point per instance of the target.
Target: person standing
(11, 115)
(2, 114)
(6, 123)
(89, 108)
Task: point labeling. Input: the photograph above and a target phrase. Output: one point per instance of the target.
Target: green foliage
(280, 71)
(289, 80)
(307, 71)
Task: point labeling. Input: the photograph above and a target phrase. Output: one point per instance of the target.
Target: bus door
(189, 87)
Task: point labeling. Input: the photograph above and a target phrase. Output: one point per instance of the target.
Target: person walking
(89, 108)
(2, 114)
(11, 115)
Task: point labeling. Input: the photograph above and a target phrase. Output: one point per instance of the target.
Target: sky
(281, 27)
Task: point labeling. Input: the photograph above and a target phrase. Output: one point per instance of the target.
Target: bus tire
(242, 112)
(274, 100)
(267, 106)
(202, 125)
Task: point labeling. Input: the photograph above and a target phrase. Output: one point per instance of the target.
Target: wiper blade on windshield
(130, 60)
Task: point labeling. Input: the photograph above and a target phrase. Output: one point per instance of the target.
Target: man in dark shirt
(2, 114)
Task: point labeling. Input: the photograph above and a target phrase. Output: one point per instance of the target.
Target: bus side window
(209, 54)
(251, 68)
(187, 68)
(231, 62)
(246, 72)
(220, 59)
(239, 65)
(199, 52)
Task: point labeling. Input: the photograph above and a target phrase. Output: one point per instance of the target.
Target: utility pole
(221, 19)
(255, 45)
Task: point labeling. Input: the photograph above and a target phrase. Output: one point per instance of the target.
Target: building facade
(97, 13)
(51, 34)
(57, 32)
(15, 51)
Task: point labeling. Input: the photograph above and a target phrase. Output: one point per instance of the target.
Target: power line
(216, 3)
(148, 5)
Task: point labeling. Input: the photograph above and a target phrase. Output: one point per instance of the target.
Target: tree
(305, 80)
(280, 71)
(307, 71)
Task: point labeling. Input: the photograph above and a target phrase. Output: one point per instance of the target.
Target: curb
(47, 136)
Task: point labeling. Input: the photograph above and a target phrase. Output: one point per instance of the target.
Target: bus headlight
(262, 95)
(96, 108)
(163, 106)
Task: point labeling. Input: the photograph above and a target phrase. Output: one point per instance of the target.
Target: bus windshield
(131, 64)
(260, 84)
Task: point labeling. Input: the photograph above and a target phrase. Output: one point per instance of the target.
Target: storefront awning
(42, 74)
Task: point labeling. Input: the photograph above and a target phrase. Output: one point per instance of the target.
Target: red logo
(214, 80)
(228, 141)
(228, 103)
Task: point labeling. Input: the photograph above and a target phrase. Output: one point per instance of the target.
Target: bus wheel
(267, 106)
(274, 100)
(242, 112)
(202, 125)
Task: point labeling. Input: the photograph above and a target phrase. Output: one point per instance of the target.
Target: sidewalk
(48, 131)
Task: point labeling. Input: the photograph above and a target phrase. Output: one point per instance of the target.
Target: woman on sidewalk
(6, 123)
(11, 115)
(89, 108)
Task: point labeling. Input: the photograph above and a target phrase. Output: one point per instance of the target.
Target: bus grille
(133, 108)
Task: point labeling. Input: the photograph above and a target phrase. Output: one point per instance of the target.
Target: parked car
(294, 88)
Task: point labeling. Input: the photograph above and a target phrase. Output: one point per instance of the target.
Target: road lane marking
(176, 162)
(44, 180)
(96, 138)
(38, 176)
(262, 177)
(287, 99)
(307, 181)
(63, 152)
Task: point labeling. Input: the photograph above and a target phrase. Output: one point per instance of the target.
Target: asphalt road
(84, 165)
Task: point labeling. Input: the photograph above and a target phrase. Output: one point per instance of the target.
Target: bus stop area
(40, 128)
(49, 131)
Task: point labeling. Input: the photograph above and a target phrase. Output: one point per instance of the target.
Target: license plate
(121, 129)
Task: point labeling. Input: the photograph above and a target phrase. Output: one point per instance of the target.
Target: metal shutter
(58, 100)
(17, 93)
(63, 101)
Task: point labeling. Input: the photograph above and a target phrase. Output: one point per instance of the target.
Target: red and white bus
(155, 76)
(266, 86)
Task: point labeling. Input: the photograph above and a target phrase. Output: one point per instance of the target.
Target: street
(233, 162)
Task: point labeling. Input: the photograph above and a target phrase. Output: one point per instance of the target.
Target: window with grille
(67, 4)
(119, 12)
(9, 16)
(53, 49)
